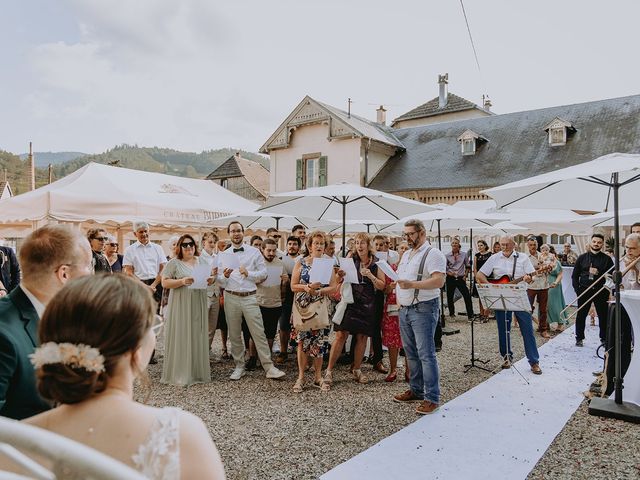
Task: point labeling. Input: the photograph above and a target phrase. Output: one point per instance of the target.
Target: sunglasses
(158, 323)
(187, 244)
(276, 236)
(113, 244)
(101, 239)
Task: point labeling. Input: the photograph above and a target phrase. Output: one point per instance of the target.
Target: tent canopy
(105, 194)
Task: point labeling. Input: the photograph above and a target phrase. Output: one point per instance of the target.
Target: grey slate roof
(517, 146)
(228, 169)
(432, 107)
(367, 128)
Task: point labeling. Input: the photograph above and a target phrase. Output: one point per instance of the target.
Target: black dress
(481, 259)
(359, 317)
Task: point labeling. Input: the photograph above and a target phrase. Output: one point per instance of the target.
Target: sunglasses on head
(187, 244)
(101, 239)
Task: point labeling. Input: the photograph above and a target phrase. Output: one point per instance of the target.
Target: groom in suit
(50, 256)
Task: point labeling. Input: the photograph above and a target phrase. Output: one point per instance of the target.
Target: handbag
(309, 312)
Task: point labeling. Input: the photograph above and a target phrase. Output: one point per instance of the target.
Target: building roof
(253, 172)
(432, 107)
(341, 125)
(517, 146)
(366, 128)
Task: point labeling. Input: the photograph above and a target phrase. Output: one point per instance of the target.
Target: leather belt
(241, 294)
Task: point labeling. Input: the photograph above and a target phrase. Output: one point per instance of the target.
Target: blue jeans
(525, 322)
(417, 327)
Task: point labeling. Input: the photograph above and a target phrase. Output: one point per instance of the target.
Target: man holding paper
(421, 275)
(241, 267)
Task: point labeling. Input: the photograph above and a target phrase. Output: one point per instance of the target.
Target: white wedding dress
(158, 458)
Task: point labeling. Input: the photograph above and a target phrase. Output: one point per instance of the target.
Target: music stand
(508, 298)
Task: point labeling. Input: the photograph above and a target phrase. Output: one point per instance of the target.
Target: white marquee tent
(117, 196)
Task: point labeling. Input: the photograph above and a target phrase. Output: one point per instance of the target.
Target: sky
(86, 75)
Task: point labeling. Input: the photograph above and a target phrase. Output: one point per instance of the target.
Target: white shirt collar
(37, 304)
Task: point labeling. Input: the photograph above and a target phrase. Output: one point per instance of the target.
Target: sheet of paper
(321, 270)
(230, 260)
(388, 271)
(273, 276)
(384, 256)
(200, 274)
(349, 268)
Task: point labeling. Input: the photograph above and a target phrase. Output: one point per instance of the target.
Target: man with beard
(50, 256)
(289, 261)
(421, 275)
(241, 267)
(629, 282)
(587, 279)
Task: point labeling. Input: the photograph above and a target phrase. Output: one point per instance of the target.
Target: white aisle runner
(498, 429)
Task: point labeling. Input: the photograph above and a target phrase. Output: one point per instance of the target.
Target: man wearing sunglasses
(97, 239)
(274, 235)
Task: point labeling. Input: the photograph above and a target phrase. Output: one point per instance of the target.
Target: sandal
(298, 386)
(391, 377)
(328, 377)
(317, 383)
(325, 386)
(360, 377)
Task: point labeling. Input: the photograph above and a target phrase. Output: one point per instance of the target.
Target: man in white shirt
(516, 266)
(50, 256)
(240, 267)
(145, 260)
(421, 275)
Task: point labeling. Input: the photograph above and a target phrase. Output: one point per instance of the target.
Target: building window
(468, 146)
(557, 136)
(224, 182)
(311, 171)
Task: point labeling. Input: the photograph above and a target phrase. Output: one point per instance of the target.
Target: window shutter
(322, 171)
(299, 172)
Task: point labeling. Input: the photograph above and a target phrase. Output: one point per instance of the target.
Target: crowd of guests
(71, 344)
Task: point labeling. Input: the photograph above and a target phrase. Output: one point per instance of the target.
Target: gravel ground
(265, 431)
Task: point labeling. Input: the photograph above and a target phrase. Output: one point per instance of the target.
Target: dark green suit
(18, 338)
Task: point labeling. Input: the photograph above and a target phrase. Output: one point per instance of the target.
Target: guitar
(506, 279)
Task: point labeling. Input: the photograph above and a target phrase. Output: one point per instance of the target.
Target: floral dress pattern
(390, 319)
(315, 343)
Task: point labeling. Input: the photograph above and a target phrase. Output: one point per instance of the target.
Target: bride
(96, 337)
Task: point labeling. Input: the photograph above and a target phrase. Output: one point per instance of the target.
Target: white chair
(80, 460)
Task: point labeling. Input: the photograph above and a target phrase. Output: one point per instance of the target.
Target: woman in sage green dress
(556, 302)
(186, 353)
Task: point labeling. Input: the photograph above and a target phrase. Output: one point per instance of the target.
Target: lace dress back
(158, 458)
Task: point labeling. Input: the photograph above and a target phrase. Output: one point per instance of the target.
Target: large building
(447, 149)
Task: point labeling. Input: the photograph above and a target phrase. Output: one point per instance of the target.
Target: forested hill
(150, 159)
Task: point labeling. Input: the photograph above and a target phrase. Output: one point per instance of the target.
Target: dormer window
(558, 130)
(470, 141)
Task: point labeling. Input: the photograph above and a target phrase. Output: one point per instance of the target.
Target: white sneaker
(273, 372)
(237, 374)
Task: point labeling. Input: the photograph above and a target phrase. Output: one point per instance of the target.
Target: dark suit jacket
(9, 268)
(18, 338)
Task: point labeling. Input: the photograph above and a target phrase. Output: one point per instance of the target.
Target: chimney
(32, 167)
(381, 115)
(486, 103)
(443, 80)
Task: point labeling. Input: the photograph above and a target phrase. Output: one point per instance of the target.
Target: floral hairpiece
(70, 354)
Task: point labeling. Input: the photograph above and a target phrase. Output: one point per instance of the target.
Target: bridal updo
(107, 313)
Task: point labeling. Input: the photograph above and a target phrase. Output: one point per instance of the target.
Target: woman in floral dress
(311, 343)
